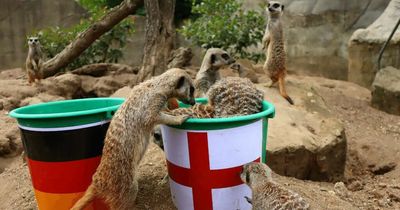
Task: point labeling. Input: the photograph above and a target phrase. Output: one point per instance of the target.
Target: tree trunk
(87, 37)
(160, 37)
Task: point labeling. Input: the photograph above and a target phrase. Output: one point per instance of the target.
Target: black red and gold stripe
(62, 161)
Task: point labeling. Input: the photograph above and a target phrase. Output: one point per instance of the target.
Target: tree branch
(100, 69)
(87, 37)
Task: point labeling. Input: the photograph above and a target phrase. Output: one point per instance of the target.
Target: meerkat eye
(268, 5)
(225, 56)
(275, 5)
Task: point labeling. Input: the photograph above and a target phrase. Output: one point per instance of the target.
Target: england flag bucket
(205, 158)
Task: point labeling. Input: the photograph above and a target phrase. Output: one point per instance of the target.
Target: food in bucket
(228, 97)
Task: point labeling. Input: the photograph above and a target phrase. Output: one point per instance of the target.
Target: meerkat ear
(283, 7)
(213, 58)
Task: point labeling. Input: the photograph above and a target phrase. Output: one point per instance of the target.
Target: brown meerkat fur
(234, 96)
(230, 96)
(208, 74)
(127, 138)
(267, 194)
(274, 47)
(33, 63)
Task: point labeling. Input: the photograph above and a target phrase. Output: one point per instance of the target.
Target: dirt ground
(371, 178)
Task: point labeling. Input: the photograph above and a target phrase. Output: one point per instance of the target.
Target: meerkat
(267, 194)
(274, 47)
(245, 72)
(228, 97)
(34, 60)
(235, 96)
(127, 138)
(208, 74)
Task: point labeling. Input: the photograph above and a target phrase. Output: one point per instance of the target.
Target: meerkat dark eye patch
(247, 177)
(180, 82)
(191, 90)
(275, 5)
(225, 56)
(213, 58)
(268, 5)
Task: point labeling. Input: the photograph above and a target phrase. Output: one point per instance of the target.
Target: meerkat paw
(172, 120)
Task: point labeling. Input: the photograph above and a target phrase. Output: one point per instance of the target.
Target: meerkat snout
(33, 40)
(275, 7)
(185, 90)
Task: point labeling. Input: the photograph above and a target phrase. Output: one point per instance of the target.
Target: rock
(41, 98)
(365, 44)
(314, 146)
(383, 168)
(65, 85)
(122, 92)
(386, 90)
(355, 186)
(180, 57)
(341, 190)
(105, 86)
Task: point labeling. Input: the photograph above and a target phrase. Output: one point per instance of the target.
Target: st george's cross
(204, 166)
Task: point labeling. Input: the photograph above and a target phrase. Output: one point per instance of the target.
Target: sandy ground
(373, 150)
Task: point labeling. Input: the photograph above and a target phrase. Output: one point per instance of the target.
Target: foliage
(224, 24)
(108, 48)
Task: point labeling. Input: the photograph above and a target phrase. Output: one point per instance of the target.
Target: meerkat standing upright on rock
(274, 47)
(34, 60)
(127, 138)
(267, 194)
(208, 74)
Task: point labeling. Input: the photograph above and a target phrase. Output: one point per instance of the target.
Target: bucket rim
(16, 112)
(268, 111)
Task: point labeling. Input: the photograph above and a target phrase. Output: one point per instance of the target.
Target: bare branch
(87, 37)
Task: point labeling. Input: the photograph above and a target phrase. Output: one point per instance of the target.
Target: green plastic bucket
(205, 158)
(63, 141)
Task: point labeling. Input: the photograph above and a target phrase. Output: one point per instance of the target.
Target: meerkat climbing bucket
(63, 143)
(205, 158)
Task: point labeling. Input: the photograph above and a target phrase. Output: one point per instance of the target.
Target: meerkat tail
(88, 197)
(282, 90)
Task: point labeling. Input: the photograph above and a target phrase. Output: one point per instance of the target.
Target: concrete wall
(18, 18)
(317, 32)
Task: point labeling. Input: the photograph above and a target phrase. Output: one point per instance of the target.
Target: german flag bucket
(63, 141)
(205, 158)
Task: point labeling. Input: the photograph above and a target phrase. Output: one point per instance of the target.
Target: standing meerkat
(268, 194)
(34, 60)
(274, 47)
(127, 138)
(208, 74)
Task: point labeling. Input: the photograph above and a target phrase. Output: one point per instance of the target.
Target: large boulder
(386, 90)
(305, 141)
(365, 44)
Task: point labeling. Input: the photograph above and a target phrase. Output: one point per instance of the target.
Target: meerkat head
(183, 86)
(255, 173)
(33, 41)
(275, 8)
(236, 67)
(218, 57)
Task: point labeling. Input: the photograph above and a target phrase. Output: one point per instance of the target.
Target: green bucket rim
(268, 111)
(16, 112)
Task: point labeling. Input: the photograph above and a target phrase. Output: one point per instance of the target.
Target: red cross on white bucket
(204, 165)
